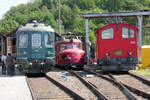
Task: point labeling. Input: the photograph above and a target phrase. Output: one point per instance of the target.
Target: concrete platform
(14, 87)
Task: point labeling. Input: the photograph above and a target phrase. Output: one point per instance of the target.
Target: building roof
(11, 33)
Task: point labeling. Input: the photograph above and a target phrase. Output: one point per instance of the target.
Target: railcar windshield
(69, 46)
(36, 39)
(23, 40)
(49, 39)
(127, 33)
(108, 33)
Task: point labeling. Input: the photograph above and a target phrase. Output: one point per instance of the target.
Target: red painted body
(117, 47)
(125, 45)
(70, 55)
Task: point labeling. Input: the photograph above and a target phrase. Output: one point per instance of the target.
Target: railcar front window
(71, 46)
(68, 46)
(23, 41)
(49, 39)
(127, 33)
(108, 33)
(36, 40)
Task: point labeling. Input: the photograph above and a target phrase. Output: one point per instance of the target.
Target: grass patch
(143, 72)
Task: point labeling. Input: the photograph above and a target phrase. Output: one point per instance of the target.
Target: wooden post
(9, 45)
(87, 42)
(139, 25)
(2, 45)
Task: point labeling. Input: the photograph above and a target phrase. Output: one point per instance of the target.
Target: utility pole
(59, 20)
(139, 25)
(87, 41)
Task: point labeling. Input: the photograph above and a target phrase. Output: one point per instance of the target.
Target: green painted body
(35, 49)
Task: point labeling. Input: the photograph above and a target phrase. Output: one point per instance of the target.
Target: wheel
(67, 67)
(80, 67)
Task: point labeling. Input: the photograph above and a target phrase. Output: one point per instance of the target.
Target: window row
(69, 46)
(36, 39)
(109, 33)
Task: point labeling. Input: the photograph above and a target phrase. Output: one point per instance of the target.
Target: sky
(5, 5)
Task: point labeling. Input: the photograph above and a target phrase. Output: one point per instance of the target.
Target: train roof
(35, 27)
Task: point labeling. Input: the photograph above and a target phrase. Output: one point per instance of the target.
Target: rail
(30, 88)
(126, 92)
(134, 90)
(65, 89)
(140, 78)
(90, 86)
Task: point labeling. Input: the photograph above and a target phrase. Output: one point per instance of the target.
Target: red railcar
(117, 47)
(69, 53)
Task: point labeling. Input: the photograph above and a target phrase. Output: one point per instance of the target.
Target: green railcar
(35, 48)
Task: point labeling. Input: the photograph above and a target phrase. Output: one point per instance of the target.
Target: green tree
(47, 12)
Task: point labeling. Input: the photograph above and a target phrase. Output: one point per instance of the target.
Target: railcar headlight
(130, 53)
(16, 65)
(106, 54)
(42, 63)
(30, 63)
(69, 57)
(95, 63)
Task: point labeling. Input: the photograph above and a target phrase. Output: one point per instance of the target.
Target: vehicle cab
(70, 53)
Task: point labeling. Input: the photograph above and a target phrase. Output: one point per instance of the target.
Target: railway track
(112, 89)
(91, 87)
(88, 85)
(74, 84)
(135, 84)
(47, 88)
(135, 88)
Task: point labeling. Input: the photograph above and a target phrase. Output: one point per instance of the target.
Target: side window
(23, 41)
(127, 32)
(49, 39)
(36, 40)
(108, 33)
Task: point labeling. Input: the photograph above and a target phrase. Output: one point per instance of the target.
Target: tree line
(46, 11)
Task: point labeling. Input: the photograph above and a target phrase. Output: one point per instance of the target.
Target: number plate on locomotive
(118, 53)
